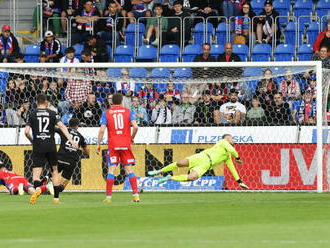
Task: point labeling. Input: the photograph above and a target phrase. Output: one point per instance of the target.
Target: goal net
(277, 113)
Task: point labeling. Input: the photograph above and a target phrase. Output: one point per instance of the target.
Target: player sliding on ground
(17, 184)
(118, 121)
(201, 162)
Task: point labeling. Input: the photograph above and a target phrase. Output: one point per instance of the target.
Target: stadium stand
(124, 53)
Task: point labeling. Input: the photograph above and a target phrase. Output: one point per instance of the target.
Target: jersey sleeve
(29, 121)
(132, 116)
(82, 142)
(57, 118)
(103, 119)
(230, 149)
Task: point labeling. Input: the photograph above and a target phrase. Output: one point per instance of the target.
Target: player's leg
(52, 160)
(112, 161)
(39, 161)
(66, 168)
(127, 160)
(182, 163)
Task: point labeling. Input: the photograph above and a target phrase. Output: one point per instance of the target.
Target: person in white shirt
(161, 114)
(69, 58)
(233, 111)
(125, 86)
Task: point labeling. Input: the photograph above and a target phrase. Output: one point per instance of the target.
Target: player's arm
(27, 133)
(100, 137)
(86, 150)
(233, 152)
(135, 129)
(234, 173)
(66, 133)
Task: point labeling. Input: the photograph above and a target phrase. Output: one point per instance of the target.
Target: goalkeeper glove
(239, 161)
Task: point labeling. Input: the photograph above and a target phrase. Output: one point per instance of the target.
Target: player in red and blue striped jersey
(118, 121)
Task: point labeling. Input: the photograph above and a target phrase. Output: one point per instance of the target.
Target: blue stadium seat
(169, 53)
(216, 50)
(323, 8)
(3, 81)
(130, 34)
(261, 52)
(313, 31)
(160, 73)
(147, 53)
(258, 6)
(282, 7)
(284, 52)
(138, 73)
(241, 50)
(252, 72)
(142, 30)
(109, 51)
(305, 52)
(181, 73)
(190, 51)
(114, 72)
(209, 32)
(78, 50)
(303, 8)
(124, 53)
(31, 53)
(63, 49)
(221, 33)
(290, 33)
(198, 33)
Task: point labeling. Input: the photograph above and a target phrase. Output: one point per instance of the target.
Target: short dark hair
(225, 135)
(256, 98)
(158, 5)
(69, 50)
(41, 99)
(177, 2)
(86, 52)
(324, 47)
(73, 122)
(117, 98)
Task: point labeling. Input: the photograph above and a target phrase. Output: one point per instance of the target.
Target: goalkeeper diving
(200, 163)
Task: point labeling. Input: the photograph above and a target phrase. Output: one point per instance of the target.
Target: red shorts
(14, 182)
(124, 157)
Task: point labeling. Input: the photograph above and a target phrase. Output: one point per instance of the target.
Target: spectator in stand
(311, 86)
(69, 58)
(43, 57)
(12, 96)
(244, 91)
(124, 6)
(255, 115)
(171, 94)
(232, 112)
(304, 110)
(266, 88)
(52, 47)
(219, 92)
(18, 117)
(266, 27)
(140, 8)
(167, 6)
(108, 103)
(209, 8)
(242, 23)
(114, 20)
(194, 90)
(148, 96)
(323, 39)
(229, 56)
(87, 57)
(231, 7)
(161, 113)
(204, 57)
(184, 112)
(207, 111)
(9, 48)
(69, 9)
(98, 48)
(50, 9)
(323, 56)
(289, 88)
(89, 113)
(76, 93)
(54, 94)
(20, 58)
(153, 25)
(142, 118)
(174, 27)
(126, 87)
(278, 113)
(86, 22)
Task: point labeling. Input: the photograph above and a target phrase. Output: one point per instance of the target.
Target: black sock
(37, 184)
(239, 181)
(61, 187)
(56, 192)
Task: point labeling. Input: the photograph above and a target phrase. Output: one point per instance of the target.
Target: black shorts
(66, 167)
(41, 158)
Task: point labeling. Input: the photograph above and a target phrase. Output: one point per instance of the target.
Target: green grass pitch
(167, 220)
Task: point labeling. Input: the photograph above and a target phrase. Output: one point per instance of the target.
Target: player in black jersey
(68, 156)
(42, 121)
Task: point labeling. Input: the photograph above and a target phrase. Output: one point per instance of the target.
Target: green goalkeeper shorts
(199, 163)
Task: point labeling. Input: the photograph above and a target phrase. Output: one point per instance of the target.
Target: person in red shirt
(17, 184)
(118, 121)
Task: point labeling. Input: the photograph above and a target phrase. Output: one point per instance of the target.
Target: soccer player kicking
(118, 121)
(42, 121)
(202, 162)
(17, 184)
(68, 156)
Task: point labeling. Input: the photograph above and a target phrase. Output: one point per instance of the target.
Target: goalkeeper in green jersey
(202, 162)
